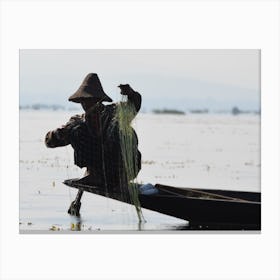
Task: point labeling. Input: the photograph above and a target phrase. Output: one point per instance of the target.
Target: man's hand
(126, 89)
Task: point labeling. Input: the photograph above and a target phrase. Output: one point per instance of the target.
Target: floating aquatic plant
(76, 226)
(54, 228)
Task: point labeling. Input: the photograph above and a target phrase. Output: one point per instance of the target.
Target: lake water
(201, 151)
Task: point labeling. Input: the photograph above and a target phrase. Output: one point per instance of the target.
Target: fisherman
(94, 135)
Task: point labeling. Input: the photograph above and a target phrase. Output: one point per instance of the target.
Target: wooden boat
(237, 209)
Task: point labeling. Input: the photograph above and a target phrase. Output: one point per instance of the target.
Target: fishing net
(125, 113)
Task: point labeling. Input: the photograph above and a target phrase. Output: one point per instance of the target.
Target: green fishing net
(125, 113)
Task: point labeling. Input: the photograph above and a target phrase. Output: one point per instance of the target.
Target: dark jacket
(95, 138)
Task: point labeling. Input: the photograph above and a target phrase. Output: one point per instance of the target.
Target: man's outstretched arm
(61, 136)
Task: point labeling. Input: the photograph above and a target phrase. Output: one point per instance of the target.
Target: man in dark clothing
(95, 137)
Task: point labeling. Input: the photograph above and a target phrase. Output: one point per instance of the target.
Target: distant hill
(168, 111)
(200, 111)
(52, 107)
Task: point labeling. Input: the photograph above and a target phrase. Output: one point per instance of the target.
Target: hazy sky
(179, 79)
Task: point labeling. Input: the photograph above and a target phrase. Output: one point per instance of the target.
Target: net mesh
(125, 113)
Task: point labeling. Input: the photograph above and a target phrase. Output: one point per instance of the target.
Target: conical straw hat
(90, 88)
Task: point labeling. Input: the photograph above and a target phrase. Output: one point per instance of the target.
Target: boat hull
(198, 206)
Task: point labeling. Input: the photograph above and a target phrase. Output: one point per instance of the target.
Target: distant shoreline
(154, 112)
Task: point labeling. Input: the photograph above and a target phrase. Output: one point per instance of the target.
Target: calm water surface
(183, 151)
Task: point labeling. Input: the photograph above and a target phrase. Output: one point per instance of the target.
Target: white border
(156, 24)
